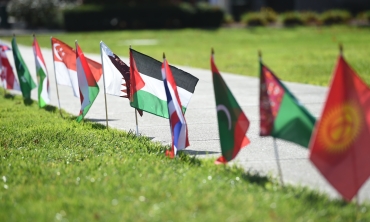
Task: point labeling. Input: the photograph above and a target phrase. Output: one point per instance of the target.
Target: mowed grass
(55, 169)
(302, 54)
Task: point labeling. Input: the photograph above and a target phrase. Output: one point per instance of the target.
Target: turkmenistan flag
(87, 84)
(147, 89)
(25, 80)
(281, 115)
(42, 75)
(232, 123)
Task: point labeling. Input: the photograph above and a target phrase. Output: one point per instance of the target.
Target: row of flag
(338, 141)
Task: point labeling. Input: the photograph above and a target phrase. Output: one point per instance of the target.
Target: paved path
(202, 122)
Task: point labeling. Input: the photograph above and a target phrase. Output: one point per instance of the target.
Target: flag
(116, 73)
(87, 84)
(232, 123)
(6, 71)
(281, 114)
(64, 58)
(147, 91)
(42, 75)
(179, 131)
(340, 142)
(24, 76)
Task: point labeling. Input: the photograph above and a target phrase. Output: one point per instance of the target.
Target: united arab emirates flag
(42, 75)
(232, 123)
(25, 80)
(88, 87)
(147, 89)
(281, 115)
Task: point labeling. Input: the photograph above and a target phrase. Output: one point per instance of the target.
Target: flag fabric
(116, 73)
(64, 58)
(232, 122)
(87, 84)
(281, 114)
(179, 131)
(147, 92)
(42, 75)
(24, 76)
(340, 142)
(7, 76)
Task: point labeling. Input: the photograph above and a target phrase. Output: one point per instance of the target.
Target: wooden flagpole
(105, 93)
(137, 125)
(274, 140)
(55, 76)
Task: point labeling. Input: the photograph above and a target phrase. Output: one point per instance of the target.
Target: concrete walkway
(202, 122)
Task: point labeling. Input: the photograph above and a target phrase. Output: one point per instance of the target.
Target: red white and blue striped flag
(178, 125)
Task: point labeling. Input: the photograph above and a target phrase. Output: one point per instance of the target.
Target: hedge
(95, 17)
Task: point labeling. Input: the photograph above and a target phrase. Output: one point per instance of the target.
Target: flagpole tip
(164, 56)
(33, 34)
(130, 46)
(13, 35)
(340, 48)
(212, 51)
(259, 54)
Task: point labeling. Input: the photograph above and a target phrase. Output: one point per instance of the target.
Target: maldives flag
(64, 58)
(340, 142)
(24, 76)
(42, 75)
(147, 92)
(179, 131)
(88, 87)
(6, 71)
(281, 114)
(232, 123)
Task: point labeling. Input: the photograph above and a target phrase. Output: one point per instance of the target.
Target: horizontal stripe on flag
(151, 67)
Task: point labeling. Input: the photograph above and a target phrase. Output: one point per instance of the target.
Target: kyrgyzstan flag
(340, 142)
(88, 86)
(232, 123)
(64, 58)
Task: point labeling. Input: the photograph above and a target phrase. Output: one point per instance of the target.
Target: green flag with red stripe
(232, 123)
(281, 114)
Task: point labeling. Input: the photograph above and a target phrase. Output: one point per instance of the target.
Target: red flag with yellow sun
(340, 145)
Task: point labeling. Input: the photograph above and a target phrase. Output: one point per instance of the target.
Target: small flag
(232, 123)
(281, 114)
(64, 58)
(6, 71)
(116, 73)
(340, 141)
(42, 75)
(178, 125)
(88, 86)
(24, 76)
(147, 91)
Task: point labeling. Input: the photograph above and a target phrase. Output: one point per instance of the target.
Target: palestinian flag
(88, 87)
(42, 75)
(232, 123)
(147, 91)
(6, 71)
(64, 57)
(281, 115)
(24, 76)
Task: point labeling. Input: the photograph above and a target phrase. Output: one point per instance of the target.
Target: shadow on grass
(98, 126)
(9, 96)
(50, 108)
(255, 177)
(28, 102)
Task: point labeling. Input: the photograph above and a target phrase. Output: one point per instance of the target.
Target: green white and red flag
(42, 75)
(340, 142)
(232, 122)
(87, 84)
(281, 114)
(25, 80)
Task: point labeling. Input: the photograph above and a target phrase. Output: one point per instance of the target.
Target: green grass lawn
(55, 169)
(303, 54)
